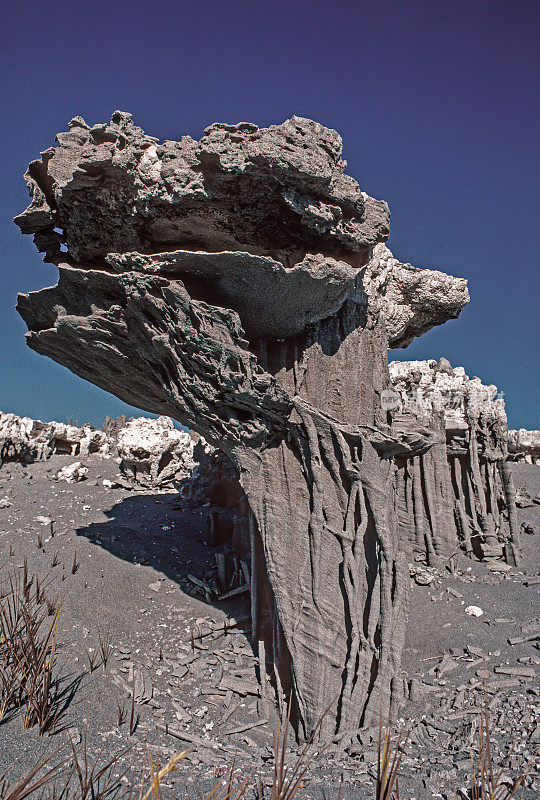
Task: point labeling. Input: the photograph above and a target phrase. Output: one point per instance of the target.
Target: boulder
(73, 473)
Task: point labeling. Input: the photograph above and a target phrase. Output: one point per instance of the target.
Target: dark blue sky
(437, 104)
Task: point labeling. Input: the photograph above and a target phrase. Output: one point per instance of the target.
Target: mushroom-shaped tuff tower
(239, 284)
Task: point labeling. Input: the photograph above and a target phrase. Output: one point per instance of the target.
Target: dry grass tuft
(287, 779)
(389, 753)
(488, 781)
(229, 787)
(31, 781)
(95, 781)
(157, 774)
(104, 648)
(92, 657)
(133, 718)
(28, 652)
(121, 712)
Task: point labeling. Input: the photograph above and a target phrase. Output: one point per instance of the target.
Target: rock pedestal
(240, 285)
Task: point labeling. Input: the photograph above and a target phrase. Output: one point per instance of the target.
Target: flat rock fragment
(142, 686)
(238, 686)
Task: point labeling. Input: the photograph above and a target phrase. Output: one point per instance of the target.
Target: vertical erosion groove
(351, 640)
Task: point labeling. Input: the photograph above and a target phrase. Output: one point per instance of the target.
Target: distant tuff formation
(26, 440)
(240, 284)
(524, 446)
(151, 452)
(454, 494)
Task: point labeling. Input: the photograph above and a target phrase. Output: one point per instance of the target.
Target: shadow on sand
(164, 532)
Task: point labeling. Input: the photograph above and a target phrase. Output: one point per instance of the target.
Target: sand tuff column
(239, 284)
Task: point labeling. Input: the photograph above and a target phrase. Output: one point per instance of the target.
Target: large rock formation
(237, 285)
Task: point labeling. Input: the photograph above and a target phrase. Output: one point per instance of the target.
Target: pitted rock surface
(272, 190)
(415, 300)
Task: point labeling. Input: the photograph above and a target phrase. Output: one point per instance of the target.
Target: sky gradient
(437, 105)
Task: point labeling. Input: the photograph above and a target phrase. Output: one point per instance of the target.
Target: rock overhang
(272, 302)
(263, 221)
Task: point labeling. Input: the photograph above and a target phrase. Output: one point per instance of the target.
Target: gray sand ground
(135, 551)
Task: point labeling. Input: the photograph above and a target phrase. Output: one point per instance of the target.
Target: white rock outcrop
(465, 476)
(153, 452)
(424, 387)
(73, 473)
(524, 445)
(79, 441)
(24, 439)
